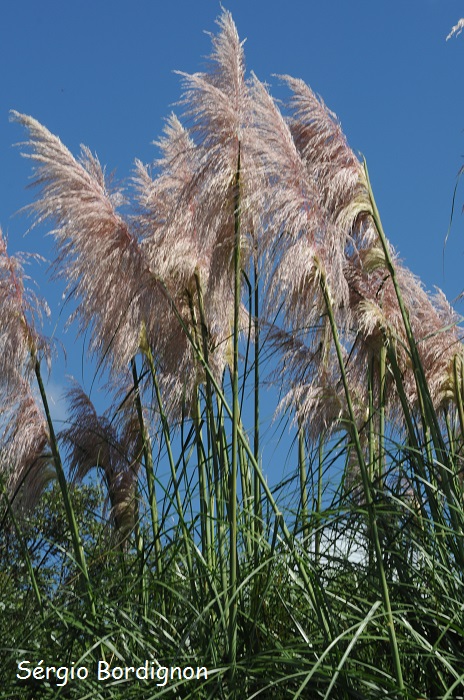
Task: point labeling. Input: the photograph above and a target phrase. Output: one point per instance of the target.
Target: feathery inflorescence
(217, 109)
(98, 442)
(24, 460)
(188, 210)
(97, 254)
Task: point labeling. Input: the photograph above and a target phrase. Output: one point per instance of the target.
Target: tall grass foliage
(252, 268)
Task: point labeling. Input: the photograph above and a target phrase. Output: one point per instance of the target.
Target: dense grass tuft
(251, 287)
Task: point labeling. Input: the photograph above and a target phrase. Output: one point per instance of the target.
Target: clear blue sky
(101, 73)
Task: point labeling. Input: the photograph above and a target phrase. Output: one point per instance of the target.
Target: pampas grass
(249, 256)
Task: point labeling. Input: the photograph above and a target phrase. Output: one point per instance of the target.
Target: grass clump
(150, 541)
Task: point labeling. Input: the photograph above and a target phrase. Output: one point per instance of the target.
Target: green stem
(382, 400)
(149, 470)
(458, 390)
(140, 549)
(70, 515)
(235, 424)
(370, 385)
(303, 482)
(247, 500)
(318, 532)
(205, 516)
(257, 520)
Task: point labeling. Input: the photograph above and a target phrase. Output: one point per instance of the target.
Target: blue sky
(101, 73)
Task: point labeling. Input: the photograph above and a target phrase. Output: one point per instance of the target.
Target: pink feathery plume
(316, 395)
(302, 243)
(439, 341)
(25, 458)
(303, 246)
(168, 222)
(216, 107)
(218, 110)
(188, 208)
(24, 462)
(345, 199)
(168, 211)
(97, 442)
(20, 308)
(168, 205)
(97, 254)
(332, 165)
(378, 321)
